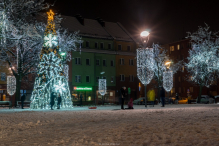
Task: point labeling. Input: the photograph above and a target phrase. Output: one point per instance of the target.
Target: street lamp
(145, 63)
(168, 78)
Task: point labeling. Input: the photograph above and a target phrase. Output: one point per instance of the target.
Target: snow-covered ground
(171, 125)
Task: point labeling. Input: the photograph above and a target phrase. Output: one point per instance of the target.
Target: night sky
(167, 20)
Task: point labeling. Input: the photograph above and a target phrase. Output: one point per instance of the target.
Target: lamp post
(168, 78)
(145, 63)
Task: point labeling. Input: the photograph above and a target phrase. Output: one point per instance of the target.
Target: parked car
(216, 98)
(139, 101)
(183, 101)
(206, 99)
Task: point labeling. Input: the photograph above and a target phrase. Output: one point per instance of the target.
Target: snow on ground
(172, 125)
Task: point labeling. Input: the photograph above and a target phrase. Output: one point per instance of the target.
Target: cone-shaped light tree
(51, 77)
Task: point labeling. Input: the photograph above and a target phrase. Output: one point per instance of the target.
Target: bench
(5, 104)
(26, 103)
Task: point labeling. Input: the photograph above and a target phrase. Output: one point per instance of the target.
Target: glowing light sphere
(144, 34)
(60, 87)
(168, 80)
(11, 85)
(50, 40)
(102, 86)
(145, 65)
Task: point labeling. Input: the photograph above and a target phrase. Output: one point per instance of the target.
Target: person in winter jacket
(52, 97)
(162, 96)
(23, 97)
(59, 101)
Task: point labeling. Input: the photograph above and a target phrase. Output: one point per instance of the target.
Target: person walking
(122, 96)
(162, 96)
(177, 98)
(81, 99)
(23, 97)
(52, 97)
(59, 101)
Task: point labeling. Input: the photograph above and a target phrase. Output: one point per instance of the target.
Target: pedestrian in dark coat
(59, 101)
(122, 96)
(177, 98)
(52, 97)
(81, 99)
(23, 97)
(162, 96)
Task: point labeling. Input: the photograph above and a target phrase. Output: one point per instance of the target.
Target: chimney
(102, 23)
(80, 19)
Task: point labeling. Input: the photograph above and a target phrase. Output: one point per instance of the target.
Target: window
(104, 62)
(178, 47)
(111, 63)
(109, 46)
(112, 79)
(87, 79)
(87, 61)
(96, 45)
(191, 89)
(119, 47)
(179, 89)
(131, 78)
(128, 48)
(97, 79)
(171, 48)
(122, 61)
(77, 60)
(87, 44)
(81, 45)
(78, 79)
(97, 62)
(131, 62)
(122, 77)
(182, 68)
(179, 79)
(101, 46)
(173, 90)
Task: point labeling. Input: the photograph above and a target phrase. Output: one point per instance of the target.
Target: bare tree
(203, 61)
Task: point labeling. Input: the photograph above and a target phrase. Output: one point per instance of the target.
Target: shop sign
(83, 88)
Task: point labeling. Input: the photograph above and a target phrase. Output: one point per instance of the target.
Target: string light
(102, 86)
(11, 85)
(145, 65)
(168, 80)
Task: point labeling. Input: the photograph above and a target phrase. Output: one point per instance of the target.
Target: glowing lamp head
(167, 64)
(144, 34)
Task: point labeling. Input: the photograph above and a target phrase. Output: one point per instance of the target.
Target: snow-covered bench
(5, 104)
(26, 103)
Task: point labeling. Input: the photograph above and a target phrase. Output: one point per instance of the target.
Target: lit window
(178, 47)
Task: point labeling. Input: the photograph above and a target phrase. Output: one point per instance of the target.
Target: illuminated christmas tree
(51, 76)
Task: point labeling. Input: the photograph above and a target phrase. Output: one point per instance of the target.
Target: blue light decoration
(51, 72)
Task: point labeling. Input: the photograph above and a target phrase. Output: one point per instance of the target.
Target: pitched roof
(91, 28)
